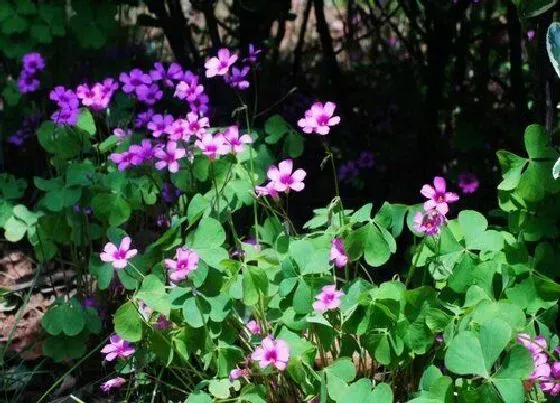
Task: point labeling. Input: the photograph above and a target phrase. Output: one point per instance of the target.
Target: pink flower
(283, 179)
(123, 160)
(231, 134)
(428, 223)
(237, 78)
(159, 123)
(438, 197)
(122, 133)
(196, 125)
(144, 118)
(319, 118)
(117, 347)
(267, 190)
(175, 72)
(185, 262)
(188, 90)
(337, 253)
(177, 130)
(118, 256)
(200, 104)
(468, 182)
(149, 94)
(169, 156)
(133, 80)
(328, 299)
(142, 153)
(272, 352)
(162, 323)
(219, 66)
(253, 327)
(112, 383)
(212, 146)
(238, 373)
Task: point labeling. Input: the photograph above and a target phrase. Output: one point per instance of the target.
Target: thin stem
(215, 182)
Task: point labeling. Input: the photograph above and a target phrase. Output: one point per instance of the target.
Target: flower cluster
(282, 178)
(68, 106)
(28, 127)
(33, 63)
(546, 372)
(222, 65)
(98, 95)
(435, 208)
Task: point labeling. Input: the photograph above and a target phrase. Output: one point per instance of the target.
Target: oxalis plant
(228, 301)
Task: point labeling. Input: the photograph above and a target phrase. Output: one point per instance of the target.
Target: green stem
(215, 182)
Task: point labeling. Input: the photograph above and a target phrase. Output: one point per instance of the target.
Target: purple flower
(188, 90)
(267, 190)
(66, 116)
(252, 54)
(238, 373)
(169, 156)
(186, 261)
(159, 123)
(348, 171)
(283, 179)
(468, 182)
(253, 327)
(437, 196)
(27, 82)
(237, 78)
(178, 130)
(123, 160)
(200, 104)
(117, 347)
(113, 383)
(328, 299)
(429, 223)
(118, 257)
(143, 153)
(174, 72)
(338, 253)
(96, 97)
(143, 118)
(133, 80)
(531, 35)
(149, 94)
(169, 193)
(319, 118)
(237, 144)
(272, 352)
(366, 159)
(212, 146)
(64, 98)
(219, 66)
(122, 133)
(196, 125)
(33, 62)
(162, 323)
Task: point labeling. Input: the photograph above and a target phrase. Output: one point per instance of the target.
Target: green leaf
(128, 324)
(152, 292)
(199, 397)
(512, 167)
(198, 205)
(362, 215)
(11, 93)
(464, 355)
(293, 145)
(80, 174)
(343, 368)
(533, 8)
(219, 388)
(86, 122)
(255, 283)
(495, 335)
(192, 314)
(112, 207)
(68, 318)
(14, 229)
(207, 241)
(14, 25)
(276, 127)
(303, 298)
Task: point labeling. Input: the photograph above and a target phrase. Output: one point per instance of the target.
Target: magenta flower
(186, 260)
(252, 54)
(169, 156)
(237, 144)
(149, 94)
(123, 160)
(162, 323)
(118, 257)
(109, 86)
(283, 179)
(237, 78)
(272, 352)
(33, 62)
(66, 116)
(122, 133)
(428, 223)
(219, 66)
(178, 130)
(143, 153)
(133, 80)
(64, 98)
(238, 373)
(188, 90)
(338, 253)
(253, 327)
(27, 82)
(143, 118)
(95, 97)
(468, 182)
(116, 348)
(535, 346)
(196, 125)
(438, 197)
(159, 123)
(531, 35)
(328, 299)
(200, 104)
(212, 146)
(267, 190)
(174, 72)
(319, 119)
(113, 383)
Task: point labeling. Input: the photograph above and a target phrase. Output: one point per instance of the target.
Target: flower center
(286, 179)
(270, 355)
(120, 254)
(328, 298)
(323, 120)
(440, 198)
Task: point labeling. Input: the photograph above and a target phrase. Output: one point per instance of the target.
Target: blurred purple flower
(366, 159)
(133, 80)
